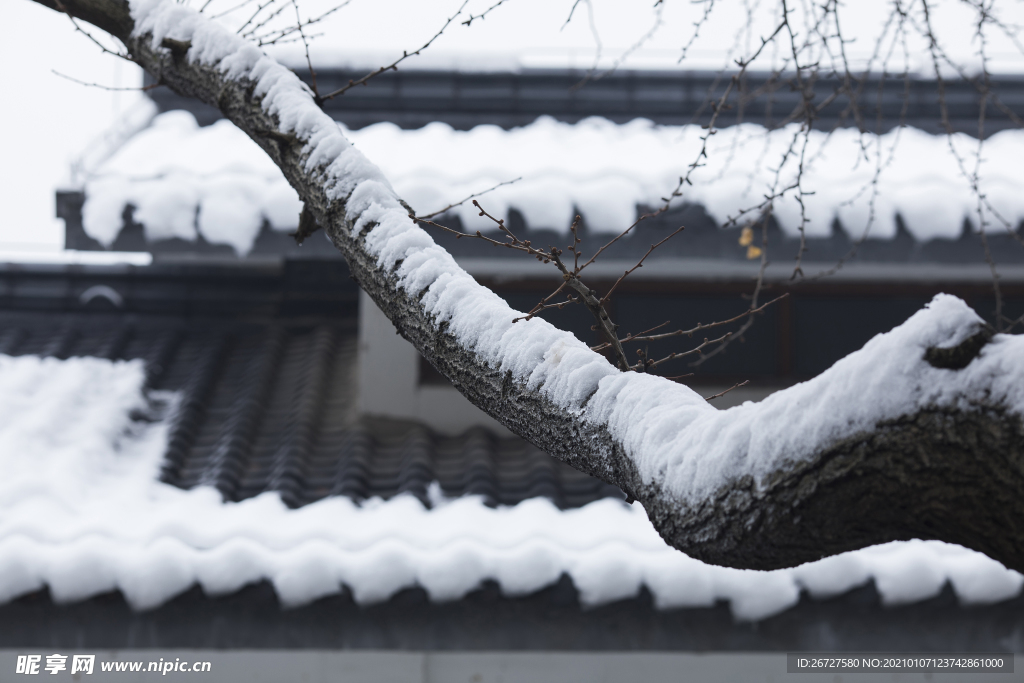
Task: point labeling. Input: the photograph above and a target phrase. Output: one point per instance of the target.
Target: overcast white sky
(50, 120)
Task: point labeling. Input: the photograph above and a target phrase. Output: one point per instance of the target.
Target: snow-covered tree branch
(919, 434)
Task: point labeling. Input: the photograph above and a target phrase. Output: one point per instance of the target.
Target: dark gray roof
(263, 357)
(412, 98)
(269, 408)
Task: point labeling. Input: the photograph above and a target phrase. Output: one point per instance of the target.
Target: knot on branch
(178, 48)
(960, 356)
(307, 225)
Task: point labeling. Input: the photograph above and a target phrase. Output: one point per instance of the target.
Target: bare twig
(574, 248)
(448, 208)
(277, 37)
(709, 5)
(483, 15)
(515, 244)
(305, 45)
(631, 337)
(640, 263)
(233, 8)
(723, 393)
(621, 59)
(249, 30)
(588, 298)
(758, 284)
(704, 326)
(572, 11)
(260, 8)
(697, 349)
(684, 180)
(88, 35)
(617, 238)
(143, 88)
(542, 305)
(598, 46)
(393, 66)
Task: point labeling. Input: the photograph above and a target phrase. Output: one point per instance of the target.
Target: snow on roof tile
(186, 181)
(83, 511)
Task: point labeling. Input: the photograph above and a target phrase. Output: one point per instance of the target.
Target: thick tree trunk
(953, 472)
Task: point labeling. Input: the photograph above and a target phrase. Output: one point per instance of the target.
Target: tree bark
(950, 474)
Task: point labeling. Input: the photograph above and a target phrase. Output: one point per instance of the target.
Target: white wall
(389, 381)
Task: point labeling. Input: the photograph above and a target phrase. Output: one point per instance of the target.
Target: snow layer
(693, 450)
(182, 178)
(186, 181)
(82, 512)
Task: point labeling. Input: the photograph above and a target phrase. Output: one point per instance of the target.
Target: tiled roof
(412, 98)
(157, 191)
(268, 406)
(259, 372)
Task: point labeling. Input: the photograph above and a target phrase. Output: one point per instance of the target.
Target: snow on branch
(882, 446)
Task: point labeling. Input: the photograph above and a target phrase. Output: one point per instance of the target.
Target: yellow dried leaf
(753, 252)
(746, 236)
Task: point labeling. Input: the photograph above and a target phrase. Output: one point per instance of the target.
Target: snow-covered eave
(183, 181)
(661, 442)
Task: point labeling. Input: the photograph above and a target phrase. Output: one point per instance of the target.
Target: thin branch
(697, 349)
(702, 154)
(1012, 324)
(679, 377)
(101, 46)
(574, 249)
(617, 238)
(252, 30)
(571, 12)
(474, 17)
(631, 337)
(705, 326)
(472, 196)
(259, 8)
(523, 247)
(640, 263)
(620, 60)
(723, 393)
(598, 46)
(542, 305)
(393, 66)
(709, 5)
(305, 45)
(276, 37)
(232, 9)
(758, 284)
(143, 88)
